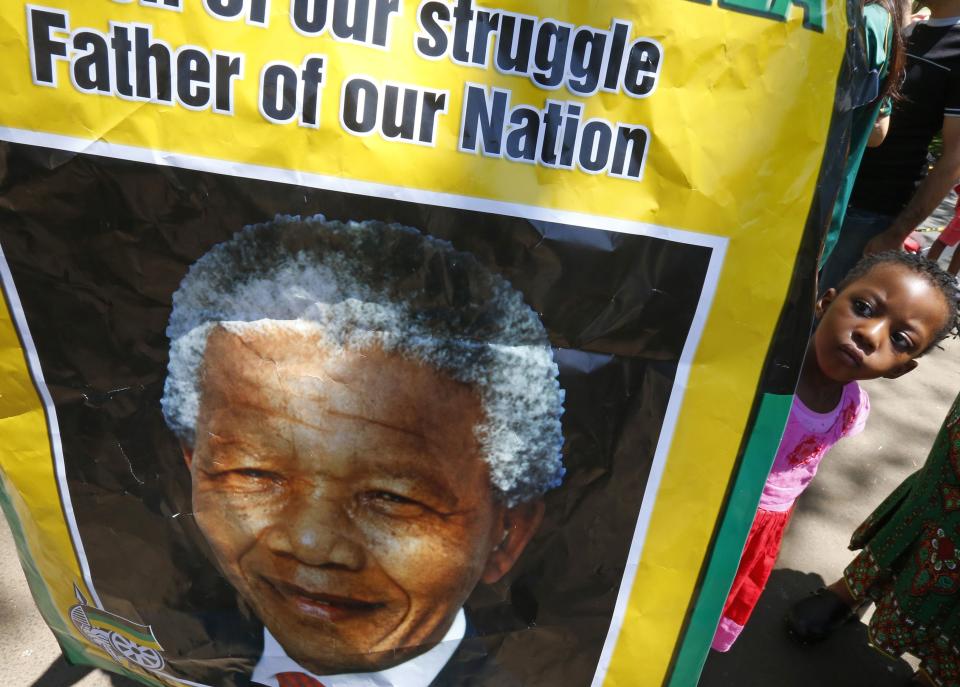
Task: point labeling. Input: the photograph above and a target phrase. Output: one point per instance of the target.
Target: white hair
(374, 284)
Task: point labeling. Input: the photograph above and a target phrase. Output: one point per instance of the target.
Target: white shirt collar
(419, 671)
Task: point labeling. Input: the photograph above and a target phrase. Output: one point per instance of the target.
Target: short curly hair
(375, 284)
(939, 278)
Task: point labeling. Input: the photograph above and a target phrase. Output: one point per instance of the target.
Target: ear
(902, 369)
(520, 523)
(825, 300)
(187, 455)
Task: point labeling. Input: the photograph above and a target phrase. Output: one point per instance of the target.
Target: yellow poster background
(737, 123)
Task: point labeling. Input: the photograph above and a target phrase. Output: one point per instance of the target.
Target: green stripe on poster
(725, 557)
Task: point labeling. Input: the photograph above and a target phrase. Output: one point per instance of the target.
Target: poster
(421, 343)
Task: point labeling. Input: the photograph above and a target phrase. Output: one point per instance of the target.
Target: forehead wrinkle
(303, 422)
(217, 439)
(279, 413)
(252, 346)
(423, 440)
(380, 423)
(287, 387)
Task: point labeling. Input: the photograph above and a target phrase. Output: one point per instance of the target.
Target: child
(949, 237)
(890, 309)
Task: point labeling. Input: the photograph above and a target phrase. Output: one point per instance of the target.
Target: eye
(901, 341)
(862, 307)
(246, 479)
(253, 473)
(393, 504)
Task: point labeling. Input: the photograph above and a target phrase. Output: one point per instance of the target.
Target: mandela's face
(344, 495)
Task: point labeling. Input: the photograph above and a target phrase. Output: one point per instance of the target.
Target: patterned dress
(910, 562)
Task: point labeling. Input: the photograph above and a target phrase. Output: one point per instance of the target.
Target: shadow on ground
(764, 655)
(62, 674)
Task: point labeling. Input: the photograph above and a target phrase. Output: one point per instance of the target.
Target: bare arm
(879, 132)
(931, 191)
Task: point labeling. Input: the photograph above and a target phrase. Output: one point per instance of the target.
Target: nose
(868, 336)
(316, 530)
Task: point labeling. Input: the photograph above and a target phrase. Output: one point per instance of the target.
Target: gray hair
(375, 284)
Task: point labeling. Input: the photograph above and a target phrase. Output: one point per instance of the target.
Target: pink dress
(806, 439)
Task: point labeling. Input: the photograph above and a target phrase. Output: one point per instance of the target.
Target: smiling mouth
(319, 605)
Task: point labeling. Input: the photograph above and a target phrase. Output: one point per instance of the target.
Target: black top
(890, 173)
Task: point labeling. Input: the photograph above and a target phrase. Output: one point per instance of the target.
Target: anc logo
(122, 639)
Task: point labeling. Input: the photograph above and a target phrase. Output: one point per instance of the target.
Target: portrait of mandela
(370, 419)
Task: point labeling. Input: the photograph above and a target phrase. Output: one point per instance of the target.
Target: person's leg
(954, 262)
(859, 226)
(936, 250)
(842, 592)
(950, 236)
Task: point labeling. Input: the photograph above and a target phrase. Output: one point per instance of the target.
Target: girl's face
(878, 324)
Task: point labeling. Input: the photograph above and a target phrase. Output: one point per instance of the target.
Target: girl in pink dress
(890, 310)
